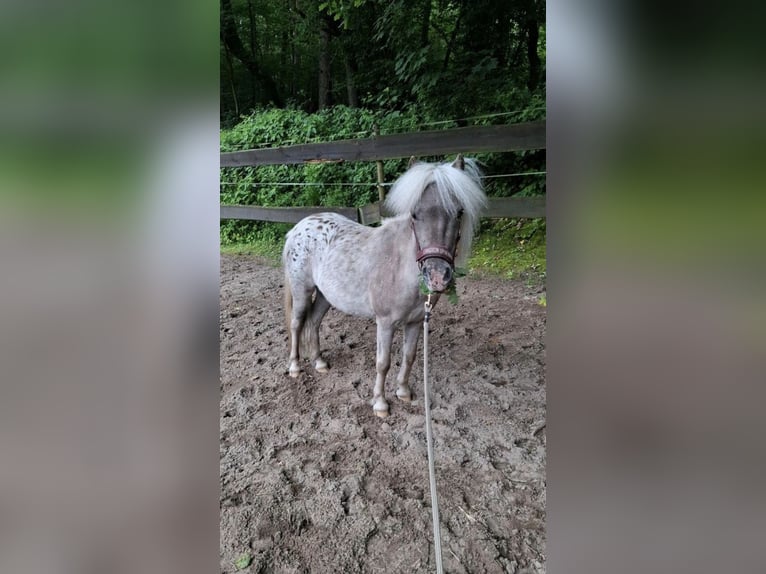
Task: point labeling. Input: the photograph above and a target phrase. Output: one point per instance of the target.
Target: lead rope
(430, 443)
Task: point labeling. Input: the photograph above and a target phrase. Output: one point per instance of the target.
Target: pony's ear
(413, 161)
(459, 162)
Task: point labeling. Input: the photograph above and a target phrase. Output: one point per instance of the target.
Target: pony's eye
(415, 217)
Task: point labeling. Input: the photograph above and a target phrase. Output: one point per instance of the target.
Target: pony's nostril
(447, 274)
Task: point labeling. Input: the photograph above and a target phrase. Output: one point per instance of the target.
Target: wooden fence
(515, 137)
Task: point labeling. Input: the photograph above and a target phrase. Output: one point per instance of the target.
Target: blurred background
(655, 287)
(108, 287)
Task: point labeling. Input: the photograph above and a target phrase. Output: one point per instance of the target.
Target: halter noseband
(438, 251)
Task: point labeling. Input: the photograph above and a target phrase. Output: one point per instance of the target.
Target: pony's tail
(309, 338)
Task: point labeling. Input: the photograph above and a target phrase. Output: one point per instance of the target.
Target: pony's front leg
(410, 349)
(382, 363)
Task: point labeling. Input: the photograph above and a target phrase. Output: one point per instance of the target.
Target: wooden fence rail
(281, 214)
(371, 213)
(516, 137)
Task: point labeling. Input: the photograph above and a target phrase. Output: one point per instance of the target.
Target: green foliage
(512, 248)
(340, 10)
(451, 291)
(530, 108)
(243, 561)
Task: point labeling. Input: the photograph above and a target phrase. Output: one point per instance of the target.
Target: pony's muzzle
(437, 274)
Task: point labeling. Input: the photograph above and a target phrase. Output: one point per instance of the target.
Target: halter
(439, 251)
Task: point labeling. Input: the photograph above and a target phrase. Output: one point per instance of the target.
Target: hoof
(321, 366)
(294, 374)
(295, 370)
(407, 398)
(379, 407)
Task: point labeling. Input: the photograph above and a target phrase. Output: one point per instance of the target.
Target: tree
(451, 58)
(233, 43)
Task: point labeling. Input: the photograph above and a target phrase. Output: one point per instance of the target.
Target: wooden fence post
(379, 165)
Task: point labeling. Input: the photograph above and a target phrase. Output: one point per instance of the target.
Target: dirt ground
(312, 481)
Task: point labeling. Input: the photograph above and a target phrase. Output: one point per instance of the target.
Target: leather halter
(438, 251)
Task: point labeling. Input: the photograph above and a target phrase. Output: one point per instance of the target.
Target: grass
(262, 248)
(510, 248)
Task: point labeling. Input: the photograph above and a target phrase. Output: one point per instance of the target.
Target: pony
(377, 272)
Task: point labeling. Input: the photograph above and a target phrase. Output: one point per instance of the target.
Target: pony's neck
(399, 227)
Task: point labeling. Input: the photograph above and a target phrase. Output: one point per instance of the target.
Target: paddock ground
(312, 481)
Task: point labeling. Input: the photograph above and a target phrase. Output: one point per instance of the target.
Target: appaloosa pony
(330, 260)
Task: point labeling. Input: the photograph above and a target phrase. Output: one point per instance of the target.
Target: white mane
(456, 189)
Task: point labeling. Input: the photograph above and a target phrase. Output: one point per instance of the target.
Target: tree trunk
(253, 96)
(350, 65)
(232, 41)
(296, 15)
(425, 24)
(453, 37)
(230, 66)
(252, 28)
(323, 98)
(533, 37)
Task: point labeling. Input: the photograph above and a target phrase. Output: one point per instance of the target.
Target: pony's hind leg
(299, 308)
(410, 348)
(310, 335)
